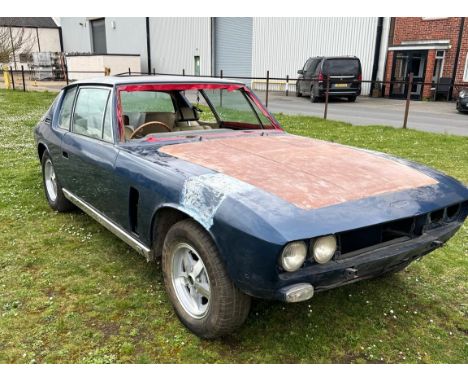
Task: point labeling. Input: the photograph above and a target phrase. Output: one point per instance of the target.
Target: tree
(14, 41)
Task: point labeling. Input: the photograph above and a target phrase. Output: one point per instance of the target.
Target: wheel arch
(163, 219)
(41, 149)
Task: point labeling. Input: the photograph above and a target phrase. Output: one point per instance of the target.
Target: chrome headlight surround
(324, 248)
(293, 256)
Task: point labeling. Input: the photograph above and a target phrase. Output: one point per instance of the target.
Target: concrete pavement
(436, 117)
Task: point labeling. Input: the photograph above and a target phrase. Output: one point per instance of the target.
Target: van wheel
(298, 92)
(204, 297)
(313, 98)
(352, 99)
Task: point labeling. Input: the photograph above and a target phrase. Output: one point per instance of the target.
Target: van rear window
(341, 67)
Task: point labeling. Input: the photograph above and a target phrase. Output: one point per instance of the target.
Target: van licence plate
(341, 85)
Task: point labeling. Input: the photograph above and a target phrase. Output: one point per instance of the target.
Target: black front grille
(354, 242)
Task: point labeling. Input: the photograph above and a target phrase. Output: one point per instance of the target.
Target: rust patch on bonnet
(306, 172)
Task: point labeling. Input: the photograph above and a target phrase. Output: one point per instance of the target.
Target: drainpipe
(213, 46)
(38, 42)
(378, 43)
(60, 38)
(457, 55)
(148, 44)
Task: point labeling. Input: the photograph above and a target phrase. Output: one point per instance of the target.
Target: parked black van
(344, 73)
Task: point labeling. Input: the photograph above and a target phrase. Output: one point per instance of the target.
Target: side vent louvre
(134, 197)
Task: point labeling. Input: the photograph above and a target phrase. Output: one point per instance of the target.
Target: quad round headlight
(293, 256)
(324, 248)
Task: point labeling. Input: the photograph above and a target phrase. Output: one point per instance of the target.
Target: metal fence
(26, 80)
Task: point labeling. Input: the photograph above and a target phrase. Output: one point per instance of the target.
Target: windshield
(341, 66)
(153, 109)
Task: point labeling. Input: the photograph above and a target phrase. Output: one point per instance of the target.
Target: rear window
(341, 66)
(146, 101)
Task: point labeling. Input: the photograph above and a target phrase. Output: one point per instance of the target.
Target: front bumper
(366, 265)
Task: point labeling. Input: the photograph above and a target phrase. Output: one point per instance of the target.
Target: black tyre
(204, 297)
(52, 187)
(352, 99)
(313, 97)
(298, 91)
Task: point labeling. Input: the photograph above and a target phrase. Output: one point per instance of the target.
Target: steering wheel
(148, 128)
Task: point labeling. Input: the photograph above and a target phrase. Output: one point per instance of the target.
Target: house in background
(434, 49)
(42, 35)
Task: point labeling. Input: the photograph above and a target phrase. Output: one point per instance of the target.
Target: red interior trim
(265, 112)
(188, 86)
(147, 87)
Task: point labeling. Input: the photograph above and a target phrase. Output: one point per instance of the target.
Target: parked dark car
(197, 172)
(344, 74)
(462, 101)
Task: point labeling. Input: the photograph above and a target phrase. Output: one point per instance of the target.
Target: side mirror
(300, 71)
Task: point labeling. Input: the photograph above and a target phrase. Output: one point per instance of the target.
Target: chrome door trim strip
(107, 223)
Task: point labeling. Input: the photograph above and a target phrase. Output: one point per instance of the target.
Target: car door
(60, 126)
(89, 149)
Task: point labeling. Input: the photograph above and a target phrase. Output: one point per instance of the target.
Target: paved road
(439, 117)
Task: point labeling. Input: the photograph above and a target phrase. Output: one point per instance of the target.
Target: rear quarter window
(66, 109)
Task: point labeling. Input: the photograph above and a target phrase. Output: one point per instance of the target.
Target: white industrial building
(238, 46)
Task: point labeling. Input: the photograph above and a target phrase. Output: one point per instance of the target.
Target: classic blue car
(198, 172)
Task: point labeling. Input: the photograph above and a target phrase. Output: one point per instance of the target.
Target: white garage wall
(175, 42)
(127, 35)
(76, 35)
(282, 45)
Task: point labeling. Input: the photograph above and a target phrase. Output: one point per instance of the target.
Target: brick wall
(388, 72)
(463, 55)
(418, 29)
(429, 71)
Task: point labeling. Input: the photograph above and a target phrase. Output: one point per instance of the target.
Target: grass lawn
(71, 292)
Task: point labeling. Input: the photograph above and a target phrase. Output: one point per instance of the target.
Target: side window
(107, 129)
(89, 112)
(313, 65)
(318, 68)
(307, 65)
(66, 109)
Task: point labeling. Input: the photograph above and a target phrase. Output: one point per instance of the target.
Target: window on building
(25, 57)
(196, 60)
(434, 18)
(438, 65)
(465, 73)
(98, 35)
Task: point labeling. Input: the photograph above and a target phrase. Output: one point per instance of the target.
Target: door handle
(65, 154)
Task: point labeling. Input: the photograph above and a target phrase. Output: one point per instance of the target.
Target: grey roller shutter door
(233, 46)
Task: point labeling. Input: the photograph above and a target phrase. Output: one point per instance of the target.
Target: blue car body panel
(249, 226)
